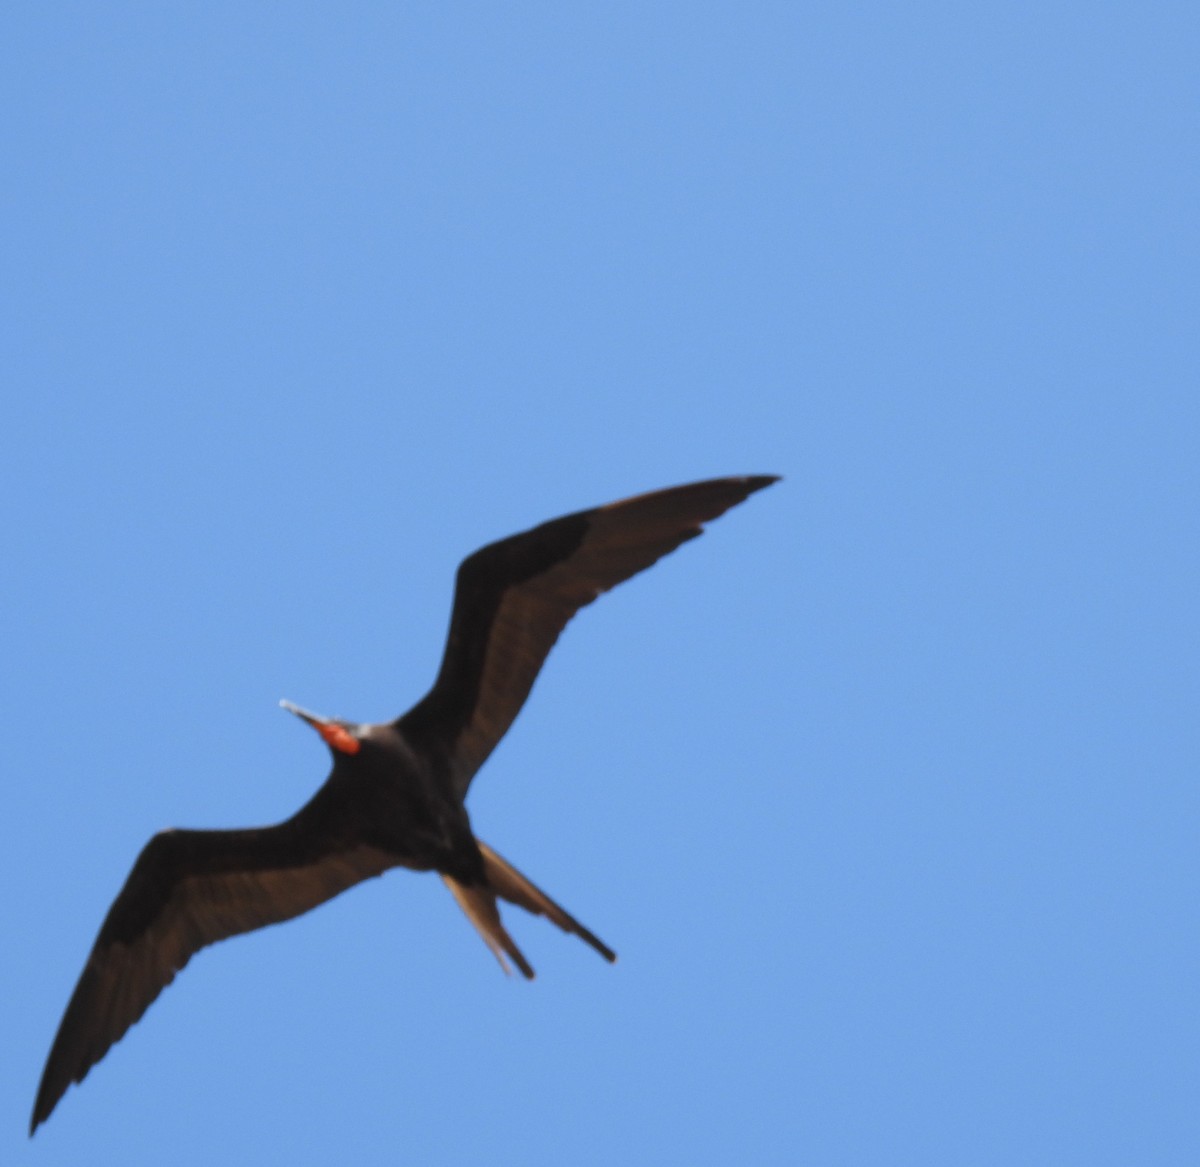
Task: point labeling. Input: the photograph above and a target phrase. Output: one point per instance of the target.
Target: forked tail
(505, 881)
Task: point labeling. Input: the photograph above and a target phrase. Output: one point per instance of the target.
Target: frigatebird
(395, 796)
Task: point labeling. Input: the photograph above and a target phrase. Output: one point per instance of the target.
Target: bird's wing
(186, 890)
(514, 597)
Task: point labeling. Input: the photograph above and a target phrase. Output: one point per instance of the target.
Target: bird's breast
(402, 803)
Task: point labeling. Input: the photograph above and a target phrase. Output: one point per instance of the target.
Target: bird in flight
(395, 796)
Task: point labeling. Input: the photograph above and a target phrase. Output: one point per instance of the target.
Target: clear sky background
(886, 790)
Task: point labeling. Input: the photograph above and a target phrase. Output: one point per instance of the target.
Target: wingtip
(758, 481)
(42, 1109)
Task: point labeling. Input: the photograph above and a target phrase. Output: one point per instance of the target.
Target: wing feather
(188, 889)
(513, 599)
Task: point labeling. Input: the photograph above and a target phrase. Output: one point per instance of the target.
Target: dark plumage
(395, 796)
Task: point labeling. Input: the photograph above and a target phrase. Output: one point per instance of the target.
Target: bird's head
(338, 735)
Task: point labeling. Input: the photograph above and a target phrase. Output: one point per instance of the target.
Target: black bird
(396, 792)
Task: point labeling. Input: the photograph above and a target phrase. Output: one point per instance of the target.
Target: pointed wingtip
(43, 1107)
(758, 481)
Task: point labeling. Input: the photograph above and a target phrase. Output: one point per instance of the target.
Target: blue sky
(885, 790)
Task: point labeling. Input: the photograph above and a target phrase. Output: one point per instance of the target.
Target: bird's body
(395, 796)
